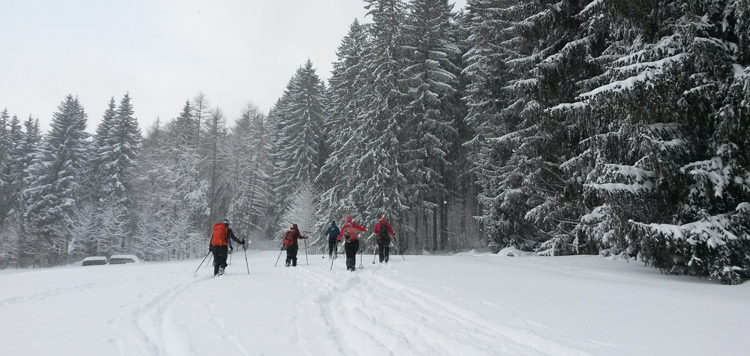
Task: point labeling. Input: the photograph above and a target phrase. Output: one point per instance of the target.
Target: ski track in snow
(50, 293)
(366, 310)
(148, 328)
(228, 335)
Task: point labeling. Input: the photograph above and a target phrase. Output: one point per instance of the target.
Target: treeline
(560, 127)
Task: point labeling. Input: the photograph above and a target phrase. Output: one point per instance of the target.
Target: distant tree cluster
(560, 127)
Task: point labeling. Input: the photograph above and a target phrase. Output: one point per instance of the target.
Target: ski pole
(277, 258)
(244, 248)
(204, 260)
(374, 252)
(361, 265)
(211, 258)
(230, 258)
(399, 248)
(306, 261)
(335, 254)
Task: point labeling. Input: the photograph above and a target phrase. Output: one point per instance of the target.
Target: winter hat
(333, 222)
(348, 218)
(294, 226)
(382, 219)
(226, 221)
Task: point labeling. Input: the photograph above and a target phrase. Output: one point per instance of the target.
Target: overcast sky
(162, 52)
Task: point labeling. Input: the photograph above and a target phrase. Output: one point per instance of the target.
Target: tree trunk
(435, 227)
(417, 245)
(426, 229)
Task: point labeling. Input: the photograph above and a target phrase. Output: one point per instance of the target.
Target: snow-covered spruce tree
(464, 229)
(246, 175)
(299, 116)
(547, 140)
(10, 212)
(185, 127)
(431, 84)
(54, 191)
(345, 106)
(117, 157)
(380, 188)
(493, 108)
(98, 148)
(26, 153)
(5, 147)
(663, 126)
(11, 170)
(518, 67)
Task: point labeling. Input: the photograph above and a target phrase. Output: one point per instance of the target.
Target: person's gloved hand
(243, 242)
(231, 248)
(210, 248)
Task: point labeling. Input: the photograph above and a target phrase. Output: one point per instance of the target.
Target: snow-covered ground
(427, 305)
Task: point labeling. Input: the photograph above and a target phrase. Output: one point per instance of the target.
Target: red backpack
(219, 237)
(349, 232)
(288, 240)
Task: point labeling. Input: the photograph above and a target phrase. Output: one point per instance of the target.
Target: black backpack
(383, 233)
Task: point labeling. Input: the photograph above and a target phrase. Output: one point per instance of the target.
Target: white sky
(162, 52)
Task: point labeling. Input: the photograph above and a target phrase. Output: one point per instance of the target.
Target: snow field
(427, 305)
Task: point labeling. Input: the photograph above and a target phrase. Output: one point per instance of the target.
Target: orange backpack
(219, 237)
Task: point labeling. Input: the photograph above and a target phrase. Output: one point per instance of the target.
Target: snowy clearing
(427, 305)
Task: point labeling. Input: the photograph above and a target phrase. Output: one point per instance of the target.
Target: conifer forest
(604, 127)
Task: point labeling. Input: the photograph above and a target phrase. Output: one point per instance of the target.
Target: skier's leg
(350, 255)
(387, 250)
(223, 251)
(215, 252)
(381, 250)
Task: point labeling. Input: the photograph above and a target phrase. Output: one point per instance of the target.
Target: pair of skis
(244, 248)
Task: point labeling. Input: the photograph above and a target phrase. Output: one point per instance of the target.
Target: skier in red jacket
(351, 238)
(290, 244)
(384, 232)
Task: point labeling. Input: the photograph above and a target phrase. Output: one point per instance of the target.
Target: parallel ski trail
(148, 327)
(369, 310)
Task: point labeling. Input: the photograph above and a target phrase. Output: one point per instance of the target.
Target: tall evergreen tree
(117, 157)
(54, 190)
(5, 146)
(99, 148)
(431, 81)
(380, 186)
(22, 179)
(348, 79)
(300, 117)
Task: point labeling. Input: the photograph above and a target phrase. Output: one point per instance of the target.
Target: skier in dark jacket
(384, 232)
(290, 244)
(349, 233)
(220, 245)
(332, 233)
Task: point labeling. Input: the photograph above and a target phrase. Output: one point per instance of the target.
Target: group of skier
(350, 233)
(222, 236)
